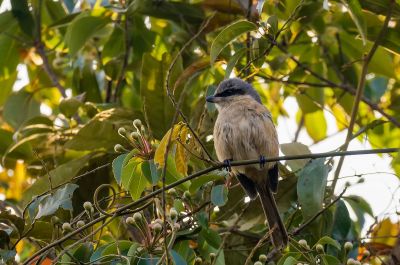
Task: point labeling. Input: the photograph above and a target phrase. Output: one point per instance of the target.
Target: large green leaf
(19, 107)
(117, 166)
(61, 198)
(133, 178)
(20, 10)
(228, 34)
(311, 185)
(82, 28)
(295, 149)
(219, 195)
(9, 56)
(357, 16)
(158, 106)
(342, 221)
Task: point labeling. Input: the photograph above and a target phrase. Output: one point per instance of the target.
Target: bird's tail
(278, 231)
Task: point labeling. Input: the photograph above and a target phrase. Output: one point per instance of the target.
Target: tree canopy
(106, 137)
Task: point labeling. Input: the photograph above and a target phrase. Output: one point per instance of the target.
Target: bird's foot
(262, 161)
(227, 165)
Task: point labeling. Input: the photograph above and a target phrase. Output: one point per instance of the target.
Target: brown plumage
(244, 130)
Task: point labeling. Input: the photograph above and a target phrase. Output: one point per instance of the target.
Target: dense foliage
(115, 109)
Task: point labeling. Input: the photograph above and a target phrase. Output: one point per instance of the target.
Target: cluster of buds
(138, 139)
(150, 233)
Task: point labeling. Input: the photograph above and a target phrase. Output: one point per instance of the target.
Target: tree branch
(360, 92)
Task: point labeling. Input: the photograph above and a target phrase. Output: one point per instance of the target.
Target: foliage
(124, 85)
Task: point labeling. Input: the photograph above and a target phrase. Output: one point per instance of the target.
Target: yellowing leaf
(315, 124)
(17, 181)
(385, 232)
(162, 147)
(180, 153)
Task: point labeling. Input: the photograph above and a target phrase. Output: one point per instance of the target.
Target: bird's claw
(262, 161)
(227, 165)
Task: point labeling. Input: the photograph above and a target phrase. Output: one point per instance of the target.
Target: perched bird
(244, 130)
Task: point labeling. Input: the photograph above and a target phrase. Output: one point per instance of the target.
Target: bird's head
(232, 89)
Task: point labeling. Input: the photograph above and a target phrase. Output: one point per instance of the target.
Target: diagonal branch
(360, 92)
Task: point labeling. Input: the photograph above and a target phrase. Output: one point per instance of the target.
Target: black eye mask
(230, 92)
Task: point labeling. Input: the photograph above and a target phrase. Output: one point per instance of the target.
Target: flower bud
(80, 224)
(122, 131)
(366, 253)
(173, 213)
(54, 220)
(224, 224)
(177, 226)
(348, 246)
(159, 221)
(137, 217)
(187, 195)
(130, 221)
(137, 123)
(88, 206)
(303, 243)
(66, 227)
(157, 227)
(319, 248)
(258, 263)
(263, 258)
(172, 192)
(119, 148)
(353, 262)
(212, 256)
(198, 260)
(135, 135)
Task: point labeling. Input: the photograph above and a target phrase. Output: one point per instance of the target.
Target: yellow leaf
(162, 147)
(315, 124)
(17, 181)
(180, 154)
(385, 232)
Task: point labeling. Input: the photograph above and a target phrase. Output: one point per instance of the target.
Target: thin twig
(360, 92)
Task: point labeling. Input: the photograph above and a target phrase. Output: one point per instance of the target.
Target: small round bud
(88, 206)
(299, 263)
(319, 248)
(172, 192)
(353, 262)
(187, 195)
(122, 131)
(137, 123)
(177, 226)
(173, 213)
(54, 220)
(66, 227)
(80, 224)
(130, 221)
(159, 221)
(348, 246)
(224, 224)
(303, 243)
(119, 148)
(258, 263)
(263, 258)
(135, 135)
(198, 260)
(137, 217)
(212, 256)
(366, 253)
(157, 227)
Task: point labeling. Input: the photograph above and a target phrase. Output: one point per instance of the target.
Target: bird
(244, 130)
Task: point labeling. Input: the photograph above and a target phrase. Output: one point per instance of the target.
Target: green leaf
(158, 106)
(81, 253)
(117, 165)
(177, 259)
(20, 10)
(133, 178)
(357, 16)
(211, 236)
(151, 172)
(219, 195)
(7, 256)
(70, 106)
(273, 23)
(311, 185)
(19, 107)
(375, 88)
(295, 149)
(231, 64)
(62, 198)
(316, 130)
(14, 220)
(228, 34)
(342, 221)
(61, 174)
(290, 261)
(82, 28)
(330, 241)
(198, 182)
(115, 46)
(331, 260)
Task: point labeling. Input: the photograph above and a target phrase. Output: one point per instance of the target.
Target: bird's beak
(212, 99)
